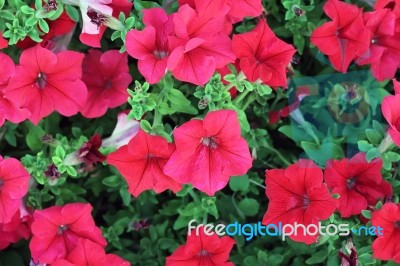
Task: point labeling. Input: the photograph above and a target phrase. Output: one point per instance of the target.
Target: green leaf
(112, 181)
(56, 160)
(10, 138)
(363, 145)
(263, 90)
(322, 153)
(373, 136)
(34, 137)
(27, 10)
(244, 124)
(38, 4)
(126, 197)
(130, 22)
(249, 206)
(71, 171)
(239, 183)
(145, 125)
(367, 214)
(372, 154)
(317, 257)
(166, 243)
(72, 13)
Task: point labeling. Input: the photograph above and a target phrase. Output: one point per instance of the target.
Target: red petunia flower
(297, 195)
(93, 30)
(262, 55)
(200, 46)
(3, 42)
(384, 52)
(107, 79)
(345, 37)
(14, 182)
(391, 112)
(239, 9)
(15, 230)
(8, 110)
(202, 250)
(387, 247)
(89, 253)
(141, 163)
(114, 260)
(394, 6)
(57, 230)
(53, 82)
(358, 182)
(150, 46)
(209, 151)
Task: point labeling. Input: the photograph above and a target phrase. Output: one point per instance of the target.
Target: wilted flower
(123, 132)
(88, 153)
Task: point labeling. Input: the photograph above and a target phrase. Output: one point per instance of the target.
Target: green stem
(249, 100)
(240, 98)
(196, 198)
(241, 214)
(240, 77)
(257, 184)
(279, 154)
(386, 144)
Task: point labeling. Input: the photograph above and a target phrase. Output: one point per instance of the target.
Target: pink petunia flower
(263, 56)
(44, 82)
(358, 182)
(150, 46)
(57, 230)
(297, 195)
(141, 163)
(14, 182)
(202, 250)
(8, 109)
(200, 46)
(209, 151)
(107, 78)
(345, 37)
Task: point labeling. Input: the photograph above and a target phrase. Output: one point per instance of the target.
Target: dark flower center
(202, 253)
(351, 94)
(96, 17)
(306, 201)
(1, 183)
(61, 229)
(351, 182)
(108, 84)
(160, 54)
(52, 172)
(51, 5)
(397, 224)
(209, 142)
(41, 80)
(374, 41)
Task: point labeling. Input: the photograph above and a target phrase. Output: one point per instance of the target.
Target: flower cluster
(205, 154)
(56, 82)
(194, 42)
(67, 235)
(365, 37)
(110, 153)
(297, 194)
